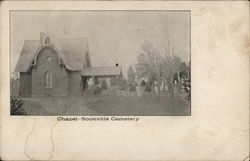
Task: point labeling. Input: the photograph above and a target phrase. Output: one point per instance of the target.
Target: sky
(113, 36)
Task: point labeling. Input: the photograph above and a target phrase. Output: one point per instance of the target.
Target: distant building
(57, 67)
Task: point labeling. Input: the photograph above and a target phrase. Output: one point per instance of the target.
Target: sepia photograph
(100, 63)
(124, 80)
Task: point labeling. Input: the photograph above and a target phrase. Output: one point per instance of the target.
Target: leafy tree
(104, 84)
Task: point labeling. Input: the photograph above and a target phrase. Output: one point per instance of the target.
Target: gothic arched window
(48, 79)
(47, 40)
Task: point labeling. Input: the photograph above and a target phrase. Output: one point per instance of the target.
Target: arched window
(47, 40)
(48, 79)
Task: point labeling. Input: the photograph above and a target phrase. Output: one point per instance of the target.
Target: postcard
(125, 80)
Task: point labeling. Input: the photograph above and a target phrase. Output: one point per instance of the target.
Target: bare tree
(148, 62)
(171, 61)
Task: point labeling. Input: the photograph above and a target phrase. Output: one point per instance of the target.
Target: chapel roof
(71, 50)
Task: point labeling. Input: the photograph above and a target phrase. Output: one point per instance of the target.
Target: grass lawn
(106, 105)
(143, 106)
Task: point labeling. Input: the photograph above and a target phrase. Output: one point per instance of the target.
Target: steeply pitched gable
(73, 52)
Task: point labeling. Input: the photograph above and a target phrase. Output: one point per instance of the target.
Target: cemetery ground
(109, 104)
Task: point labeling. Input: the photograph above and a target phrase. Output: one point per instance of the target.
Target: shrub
(187, 87)
(113, 81)
(148, 87)
(123, 85)
(143, 83)
(97, 90)
(16, 107)
(104, 84)
(132, 86)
